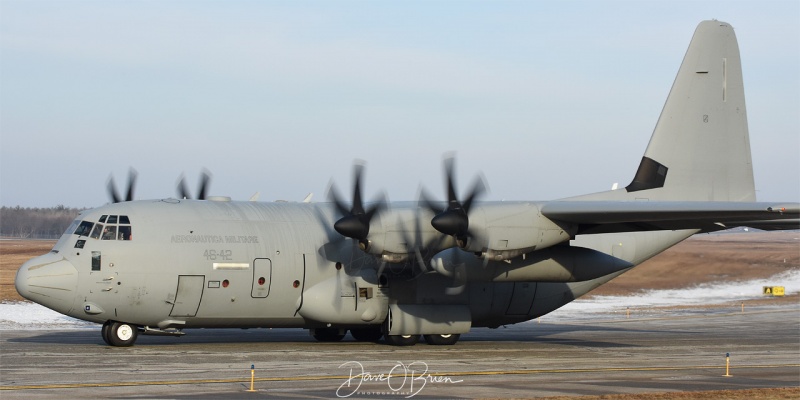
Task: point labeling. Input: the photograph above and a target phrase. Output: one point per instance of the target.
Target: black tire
(442, 340)
(328, 334)
(402, 340)
(367, 334)
(104, 332)
(121, 334)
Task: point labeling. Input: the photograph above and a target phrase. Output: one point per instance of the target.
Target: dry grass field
(712, 258)
(700, 259)
(12, 254)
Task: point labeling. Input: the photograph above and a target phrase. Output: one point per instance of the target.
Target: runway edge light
(252, 377)
(727, 365)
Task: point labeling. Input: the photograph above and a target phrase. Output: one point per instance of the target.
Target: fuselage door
(262, 277)
(188, 295)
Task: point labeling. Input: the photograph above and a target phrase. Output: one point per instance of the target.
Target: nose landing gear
(119, 334)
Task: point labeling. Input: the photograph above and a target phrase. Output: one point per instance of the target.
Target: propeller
(112, 187)
(356, 219)
(453, 220)
(183, 191)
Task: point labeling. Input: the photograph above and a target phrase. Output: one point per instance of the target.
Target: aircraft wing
(608, 216)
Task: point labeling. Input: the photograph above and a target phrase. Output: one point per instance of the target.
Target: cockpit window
(96, 232)
(110, 233)
(124, 232)
(84, 228)
(103, 219)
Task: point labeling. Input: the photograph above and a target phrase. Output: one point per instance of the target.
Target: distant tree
(39, 223)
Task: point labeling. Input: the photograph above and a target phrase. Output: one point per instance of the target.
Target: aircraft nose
(49, 280)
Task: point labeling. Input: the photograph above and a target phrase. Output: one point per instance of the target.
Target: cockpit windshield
(110, 227)
(84, 228)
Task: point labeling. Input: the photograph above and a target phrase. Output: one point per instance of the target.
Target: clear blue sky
(546, 99)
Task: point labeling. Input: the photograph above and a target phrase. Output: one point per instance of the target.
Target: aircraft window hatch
(96, 258)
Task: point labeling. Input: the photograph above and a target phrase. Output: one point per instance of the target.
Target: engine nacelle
(554, 264)
(502, 233)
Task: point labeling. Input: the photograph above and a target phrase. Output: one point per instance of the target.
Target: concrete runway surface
(683, 351)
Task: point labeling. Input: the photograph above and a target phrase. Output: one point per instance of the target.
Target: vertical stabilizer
(700, 148)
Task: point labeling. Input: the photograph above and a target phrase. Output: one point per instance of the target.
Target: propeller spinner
(453, 220)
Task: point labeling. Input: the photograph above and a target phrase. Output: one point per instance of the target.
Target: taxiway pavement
(681, 352)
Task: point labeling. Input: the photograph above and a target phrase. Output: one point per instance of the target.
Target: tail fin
(700, 148)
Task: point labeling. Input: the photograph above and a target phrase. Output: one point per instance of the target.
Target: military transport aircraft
(400, 270)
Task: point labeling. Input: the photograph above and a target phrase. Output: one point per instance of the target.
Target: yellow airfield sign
(774, 291)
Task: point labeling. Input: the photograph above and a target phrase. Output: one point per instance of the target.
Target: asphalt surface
(678, 352)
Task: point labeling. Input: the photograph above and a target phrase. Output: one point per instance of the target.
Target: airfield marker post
(742, 306)
(727, 364)
(252, 377)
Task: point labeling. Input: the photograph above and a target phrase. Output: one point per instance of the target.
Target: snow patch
(704, 294)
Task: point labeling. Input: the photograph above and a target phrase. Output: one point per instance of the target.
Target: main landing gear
(375, 334)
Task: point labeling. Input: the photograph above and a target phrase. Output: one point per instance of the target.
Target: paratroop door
(188, 295)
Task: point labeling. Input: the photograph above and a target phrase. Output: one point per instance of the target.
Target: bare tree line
(36, 223)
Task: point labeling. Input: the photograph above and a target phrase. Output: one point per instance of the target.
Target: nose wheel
(119, 334)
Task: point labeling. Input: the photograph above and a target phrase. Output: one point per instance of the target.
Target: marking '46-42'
(222, 255)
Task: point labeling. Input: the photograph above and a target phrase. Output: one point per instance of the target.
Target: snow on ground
(25, 315)
(648, 302)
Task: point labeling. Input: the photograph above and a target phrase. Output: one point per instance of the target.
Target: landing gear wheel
(328, 334)
(104, 332)
(121, 334)
(442, 340)
(402, 340)
(367, 334)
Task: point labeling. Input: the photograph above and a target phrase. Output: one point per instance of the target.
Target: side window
(84, 228)
(96, 232)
